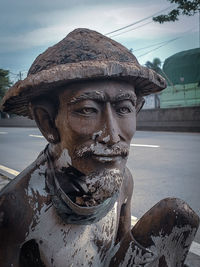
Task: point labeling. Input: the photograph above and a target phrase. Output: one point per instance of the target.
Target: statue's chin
(101, 186)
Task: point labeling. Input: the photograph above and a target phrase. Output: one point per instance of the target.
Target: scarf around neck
(66, 208)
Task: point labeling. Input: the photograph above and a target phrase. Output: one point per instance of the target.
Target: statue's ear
(44, 114)
(139, 104)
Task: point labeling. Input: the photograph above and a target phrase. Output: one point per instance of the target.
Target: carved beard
(101, 185)
(97, 186)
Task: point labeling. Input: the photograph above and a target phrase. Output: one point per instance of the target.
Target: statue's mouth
(107, 157)
(102, 153)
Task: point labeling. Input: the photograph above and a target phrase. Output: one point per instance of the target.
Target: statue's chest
(73, 245)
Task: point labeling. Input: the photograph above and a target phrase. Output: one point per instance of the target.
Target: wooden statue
(72, 205)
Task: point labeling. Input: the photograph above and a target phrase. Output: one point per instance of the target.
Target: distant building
(182, 72)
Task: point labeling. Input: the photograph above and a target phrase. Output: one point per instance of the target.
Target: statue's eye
(124, 110)
(87, 111)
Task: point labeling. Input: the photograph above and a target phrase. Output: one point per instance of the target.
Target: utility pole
(20, 76)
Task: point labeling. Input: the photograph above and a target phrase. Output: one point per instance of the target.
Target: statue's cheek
(82, 127)
(128, 127)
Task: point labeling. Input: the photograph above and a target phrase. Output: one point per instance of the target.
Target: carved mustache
(101, 151)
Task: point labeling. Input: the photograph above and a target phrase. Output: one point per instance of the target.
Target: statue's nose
(110, 133)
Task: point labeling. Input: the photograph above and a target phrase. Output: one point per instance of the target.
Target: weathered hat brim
(145, 80)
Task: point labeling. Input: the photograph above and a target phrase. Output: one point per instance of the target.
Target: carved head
(94, 124)
(84, 93)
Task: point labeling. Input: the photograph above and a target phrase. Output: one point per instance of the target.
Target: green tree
(154, 65)
(4, 82)
(188, 8)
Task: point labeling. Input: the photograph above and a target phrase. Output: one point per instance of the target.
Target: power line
(134, 23)
(131, 29)
(167, 42)
(149, 46)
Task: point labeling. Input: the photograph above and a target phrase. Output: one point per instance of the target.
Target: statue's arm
(11, 225)
(161, 237)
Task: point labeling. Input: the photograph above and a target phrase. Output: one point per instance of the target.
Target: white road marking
(133, 220)
(195, 247)
(35, 135)
(3, 132)
(145, 145)
(11, 171)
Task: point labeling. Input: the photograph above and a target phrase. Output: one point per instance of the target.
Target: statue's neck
(61, 158)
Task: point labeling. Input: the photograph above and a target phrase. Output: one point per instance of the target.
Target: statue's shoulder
(12, 207)
(14, 197)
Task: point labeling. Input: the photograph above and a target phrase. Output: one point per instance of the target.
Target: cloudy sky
(27, 28)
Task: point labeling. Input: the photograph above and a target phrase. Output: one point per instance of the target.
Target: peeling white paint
(99, 149)
(73, 245)
(106, 139)
(67, 245)
(103, 185)
(173, 246)
(136, 256)
(96, 135)
(36, 183)
(63, 161)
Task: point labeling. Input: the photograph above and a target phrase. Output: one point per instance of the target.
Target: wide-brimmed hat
(82, 55)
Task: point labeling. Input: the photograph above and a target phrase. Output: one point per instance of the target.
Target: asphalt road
(167, 166)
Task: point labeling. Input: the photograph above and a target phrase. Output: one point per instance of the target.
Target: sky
(28, 28)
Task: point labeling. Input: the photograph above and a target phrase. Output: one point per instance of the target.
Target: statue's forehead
(98, 90)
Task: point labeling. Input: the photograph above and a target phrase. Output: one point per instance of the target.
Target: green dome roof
(183, 67)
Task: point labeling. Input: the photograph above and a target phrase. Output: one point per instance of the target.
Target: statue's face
(96, 122)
